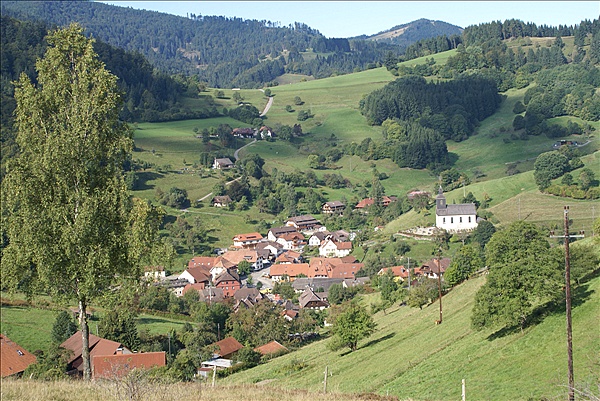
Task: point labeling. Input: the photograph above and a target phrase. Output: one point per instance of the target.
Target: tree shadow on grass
(149, 320)
(372, 342)
(378, 340)
(579, 295)
(144, 177)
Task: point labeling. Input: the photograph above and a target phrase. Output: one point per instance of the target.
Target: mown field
(31, 327)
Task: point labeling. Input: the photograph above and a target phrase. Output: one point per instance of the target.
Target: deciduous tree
(72, 228)
(523, 272)
(352, 324)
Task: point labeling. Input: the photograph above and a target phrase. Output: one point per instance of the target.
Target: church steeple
(440, 200)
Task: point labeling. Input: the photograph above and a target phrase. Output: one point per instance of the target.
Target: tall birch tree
(72, 228)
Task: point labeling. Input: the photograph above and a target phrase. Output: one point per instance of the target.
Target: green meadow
(412, 358)
(334, 104)
(31, 327)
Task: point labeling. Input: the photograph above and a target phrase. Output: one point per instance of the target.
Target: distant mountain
(224, 52)
(407, 34)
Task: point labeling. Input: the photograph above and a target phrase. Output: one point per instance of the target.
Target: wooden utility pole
(325, 381)
(439, 283)
(567, 236)
(464, 391)
(568, 307)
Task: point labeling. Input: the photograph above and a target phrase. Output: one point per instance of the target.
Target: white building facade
(453, 218)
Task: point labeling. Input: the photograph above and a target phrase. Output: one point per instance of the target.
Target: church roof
(456, 210)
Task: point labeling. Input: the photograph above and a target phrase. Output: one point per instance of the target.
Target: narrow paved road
(267, 107)
(237, 151)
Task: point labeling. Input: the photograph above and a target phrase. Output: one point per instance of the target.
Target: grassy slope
(409, 356)
(31, 327)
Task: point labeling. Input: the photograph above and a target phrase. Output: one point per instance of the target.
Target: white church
(452, 218)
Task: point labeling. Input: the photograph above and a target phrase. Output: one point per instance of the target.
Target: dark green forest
(225, 52)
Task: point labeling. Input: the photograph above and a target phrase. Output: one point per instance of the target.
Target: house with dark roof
(335, 207)
(302, 283)
(277, 232)
(194, 275)
(222, 164)
(14, 359)
(301, 223)
(311, 300)
(432, 268)
(221, 201)
(229, 282)
(453, 218)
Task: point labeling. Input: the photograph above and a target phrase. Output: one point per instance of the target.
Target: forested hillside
(225, 52)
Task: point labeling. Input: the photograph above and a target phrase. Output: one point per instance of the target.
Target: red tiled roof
(200, 274)
(197, 261)
(397, 271)
(291, 269)
(346, 270)
(197, 286)
(228, 346)
(118, 365)
(13, 358)
(248, 237)
(98, 346)
(270, 348)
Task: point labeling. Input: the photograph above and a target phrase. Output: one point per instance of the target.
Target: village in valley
(246, 274)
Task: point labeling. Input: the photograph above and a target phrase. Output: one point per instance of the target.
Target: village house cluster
(280, 253)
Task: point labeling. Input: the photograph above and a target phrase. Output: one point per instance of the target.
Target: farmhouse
(292, 241)
(247, 240)
(289, 257)
(311, 300)
(453, 218)
(14, 359)
(331, 248)
(193, 275)
(98, 346)
(280, 271)
(385, 201)
(229, 282)
(255, 257)
(243, 132)
(399, 272)
(335, 207)
(114, 366)
(301, 223)
(271, 348)
(277, 232)
(222, 164)
(221, 201)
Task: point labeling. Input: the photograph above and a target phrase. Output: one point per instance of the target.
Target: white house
(222, 164)
(452, 218)
(330, 248)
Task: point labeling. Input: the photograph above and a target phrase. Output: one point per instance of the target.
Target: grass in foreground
(17, 390)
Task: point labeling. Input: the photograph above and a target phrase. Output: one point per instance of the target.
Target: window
(451, 220)
(444, 220)
(469, 219)
(460, 219)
